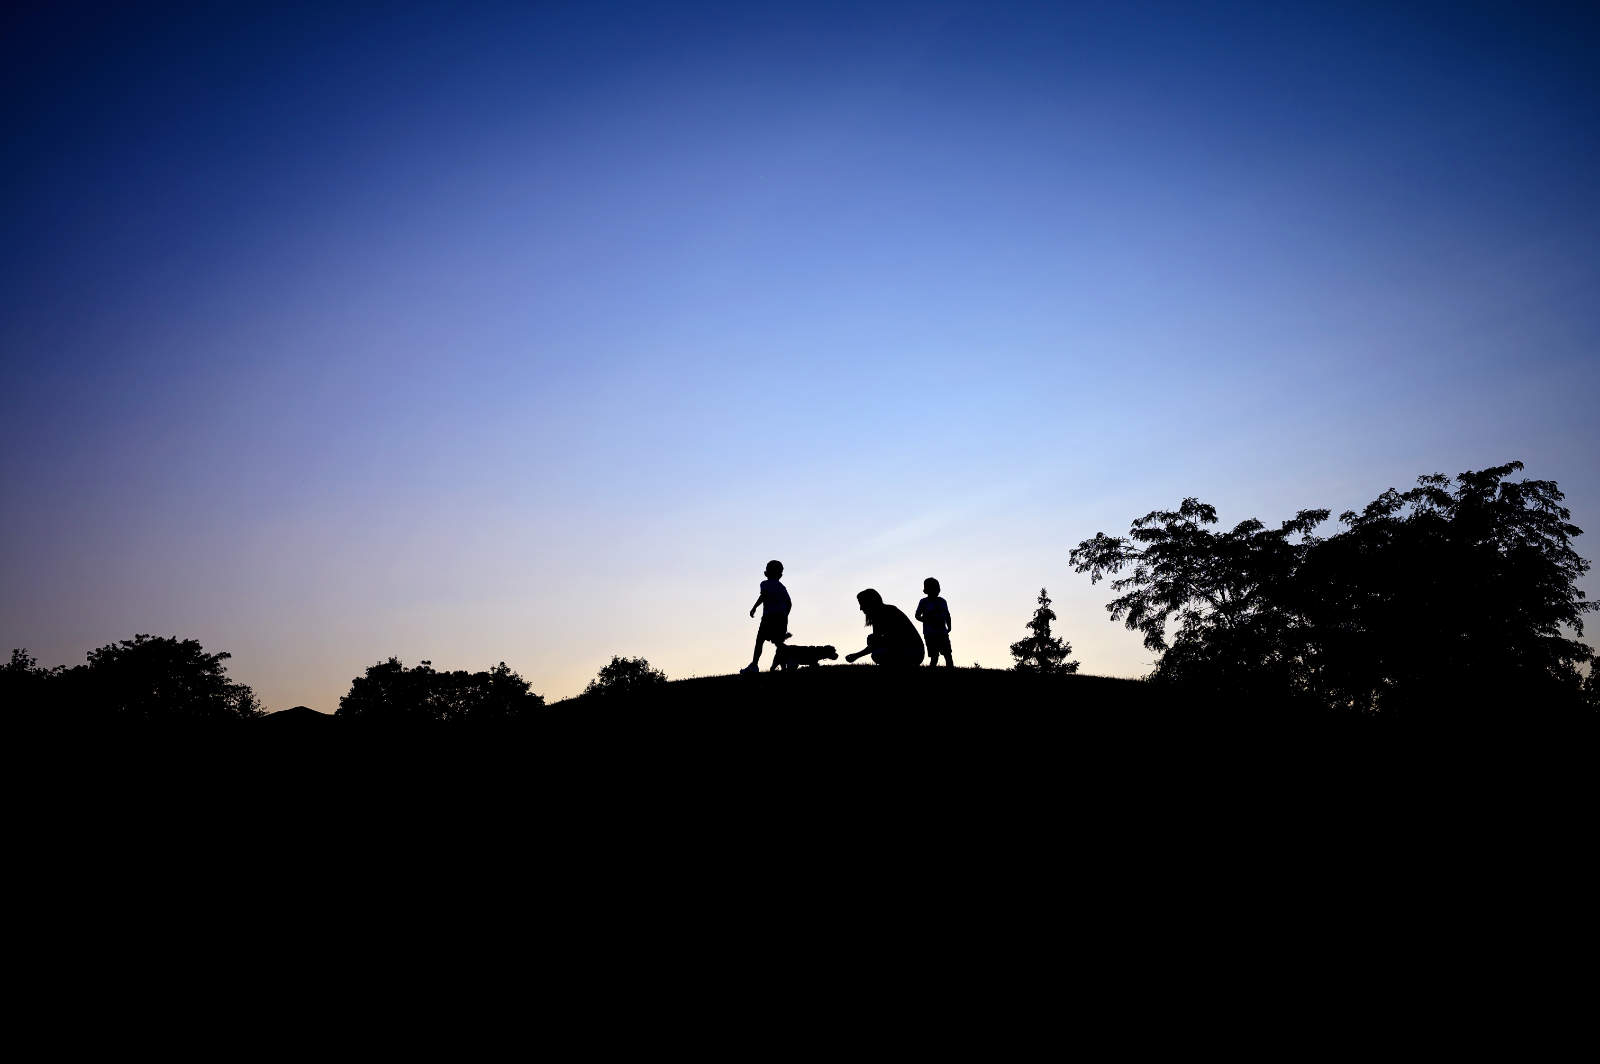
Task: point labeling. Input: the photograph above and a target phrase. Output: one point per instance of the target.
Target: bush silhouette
(392, 693)
(1429, 599)
(624, 676)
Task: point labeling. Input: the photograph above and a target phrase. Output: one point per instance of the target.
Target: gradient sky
(530, 332)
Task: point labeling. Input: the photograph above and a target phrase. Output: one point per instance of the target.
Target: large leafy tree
(151, 678)
(1446, 595)
(1429, 598)
(392, 693)
(1041, 651)
(1219, 592)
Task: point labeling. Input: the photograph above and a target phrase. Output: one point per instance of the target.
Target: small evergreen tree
(1041, 651)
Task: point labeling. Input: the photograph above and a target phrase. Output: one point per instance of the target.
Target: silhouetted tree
(392, 693)
(1430, 598)
(1041, 651)
(24, 684)
(21, 664)
(1436, 597)
(1223, 589)
(624, 676)
(149, 678)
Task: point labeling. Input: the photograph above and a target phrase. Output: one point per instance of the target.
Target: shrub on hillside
(624, 676)
(392, 693)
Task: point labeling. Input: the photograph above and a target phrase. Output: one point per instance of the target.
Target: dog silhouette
(789, 657)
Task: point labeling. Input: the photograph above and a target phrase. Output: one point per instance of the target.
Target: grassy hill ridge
(865, 689)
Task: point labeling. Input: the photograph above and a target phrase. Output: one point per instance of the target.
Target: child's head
(774, 569)
(930, 587)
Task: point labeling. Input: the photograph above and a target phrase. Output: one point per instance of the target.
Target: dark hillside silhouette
(832, 702)
(298, 716)
(1431, 600)
(1026, 760)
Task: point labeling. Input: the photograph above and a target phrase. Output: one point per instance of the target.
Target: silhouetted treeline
(390, 693)
(143, 679)
(1429, 601)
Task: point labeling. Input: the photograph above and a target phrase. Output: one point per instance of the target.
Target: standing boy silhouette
(774, 618)
(934, 613)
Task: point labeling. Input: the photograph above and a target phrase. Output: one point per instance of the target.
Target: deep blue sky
(532, 331)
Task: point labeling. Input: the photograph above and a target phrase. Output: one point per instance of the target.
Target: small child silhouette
(934, 613)
(774, 618)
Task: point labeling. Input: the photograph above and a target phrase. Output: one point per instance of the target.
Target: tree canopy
(146, 678)
(392, 693)
(1428, 599)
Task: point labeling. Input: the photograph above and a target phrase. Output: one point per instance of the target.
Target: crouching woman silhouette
(894, 641)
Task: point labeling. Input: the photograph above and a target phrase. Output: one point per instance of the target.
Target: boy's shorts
(774, 627)
(938, 642)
